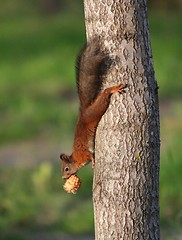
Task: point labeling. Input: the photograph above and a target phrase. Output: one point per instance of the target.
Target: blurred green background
(39, 40)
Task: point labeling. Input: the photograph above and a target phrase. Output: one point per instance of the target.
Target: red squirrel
(91, 66)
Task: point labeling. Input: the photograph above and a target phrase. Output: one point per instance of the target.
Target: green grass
(36, 69)
(34, 199)
(171, 166)
(166, 34)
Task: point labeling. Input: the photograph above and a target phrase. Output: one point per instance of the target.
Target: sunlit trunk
(126, 174)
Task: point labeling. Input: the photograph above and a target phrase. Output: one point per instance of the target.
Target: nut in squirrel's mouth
(72, 184)
(66, 178)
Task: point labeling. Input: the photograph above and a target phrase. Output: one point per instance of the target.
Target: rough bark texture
(126, 174)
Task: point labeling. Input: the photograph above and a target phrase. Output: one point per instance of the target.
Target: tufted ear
(64, 157)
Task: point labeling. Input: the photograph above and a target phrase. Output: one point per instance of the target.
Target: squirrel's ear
(64, 157)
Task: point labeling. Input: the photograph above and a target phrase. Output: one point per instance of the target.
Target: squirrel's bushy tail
(91, 64)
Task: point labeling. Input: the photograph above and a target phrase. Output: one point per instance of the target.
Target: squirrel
(91, 67)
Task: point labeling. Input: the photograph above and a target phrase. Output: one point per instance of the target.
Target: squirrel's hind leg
(95, 111)
(119, 88)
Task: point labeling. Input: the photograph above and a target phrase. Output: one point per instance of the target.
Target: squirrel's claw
(119, 88)
(93, 162)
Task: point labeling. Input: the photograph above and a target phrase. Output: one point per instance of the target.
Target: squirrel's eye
(66, 169)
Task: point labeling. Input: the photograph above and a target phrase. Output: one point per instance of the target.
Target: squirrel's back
(91, 64)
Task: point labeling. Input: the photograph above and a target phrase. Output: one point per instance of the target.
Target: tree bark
(126, 174)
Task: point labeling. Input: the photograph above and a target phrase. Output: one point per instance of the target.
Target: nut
(72, 184)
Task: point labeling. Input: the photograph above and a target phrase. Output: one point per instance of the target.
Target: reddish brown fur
(83, 147)
(93, 104)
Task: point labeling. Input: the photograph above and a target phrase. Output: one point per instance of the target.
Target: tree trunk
(126, 174)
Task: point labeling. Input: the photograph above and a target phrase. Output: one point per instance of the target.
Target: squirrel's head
(68, 167)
